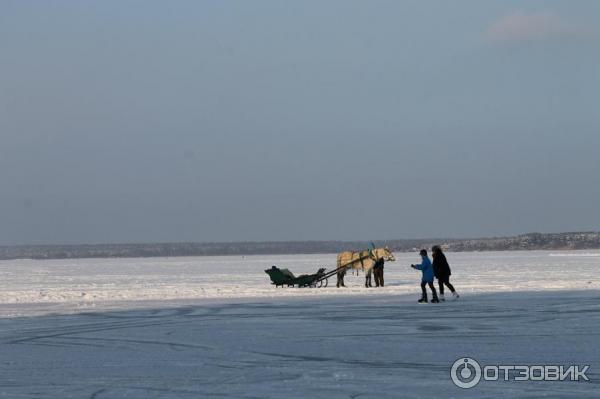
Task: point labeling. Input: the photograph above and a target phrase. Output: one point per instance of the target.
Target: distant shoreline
(530, 241)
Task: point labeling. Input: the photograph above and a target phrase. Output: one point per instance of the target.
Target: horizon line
(293, 241)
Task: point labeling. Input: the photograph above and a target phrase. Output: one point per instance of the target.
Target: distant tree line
(531, 241)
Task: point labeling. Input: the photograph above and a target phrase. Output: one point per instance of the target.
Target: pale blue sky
(134, 121)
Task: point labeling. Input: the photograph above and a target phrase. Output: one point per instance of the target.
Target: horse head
(384, 253)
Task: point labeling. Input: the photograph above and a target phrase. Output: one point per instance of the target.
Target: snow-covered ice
(200, 327)
(48, 286)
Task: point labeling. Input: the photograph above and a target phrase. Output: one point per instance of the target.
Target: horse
(364, 260)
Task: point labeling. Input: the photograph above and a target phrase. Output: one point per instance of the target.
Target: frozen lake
(47, 286)
(197, 327)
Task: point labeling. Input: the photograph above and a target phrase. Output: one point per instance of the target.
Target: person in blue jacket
(427, 268)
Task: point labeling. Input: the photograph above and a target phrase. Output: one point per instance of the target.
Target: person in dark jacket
(427, 278)
(442, 272)
(378, 272)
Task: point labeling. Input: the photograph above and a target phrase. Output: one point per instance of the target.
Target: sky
(154, 121)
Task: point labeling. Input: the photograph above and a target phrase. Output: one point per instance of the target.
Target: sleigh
(284, 277)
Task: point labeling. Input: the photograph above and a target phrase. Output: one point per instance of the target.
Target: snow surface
(214, 326)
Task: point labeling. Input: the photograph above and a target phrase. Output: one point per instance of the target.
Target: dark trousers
(445, 280)
(378, 273)
(430, 284)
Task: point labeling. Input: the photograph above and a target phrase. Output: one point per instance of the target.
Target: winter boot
(442, 298)
(434, 298)
(423, 300)
(455, 295)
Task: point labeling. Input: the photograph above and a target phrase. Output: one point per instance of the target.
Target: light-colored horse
(364, 260)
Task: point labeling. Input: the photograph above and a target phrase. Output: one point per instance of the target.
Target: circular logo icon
(465, 372)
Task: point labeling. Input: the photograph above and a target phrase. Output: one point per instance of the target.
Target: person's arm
(420, 266)
(447, 267)
(443, 266)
